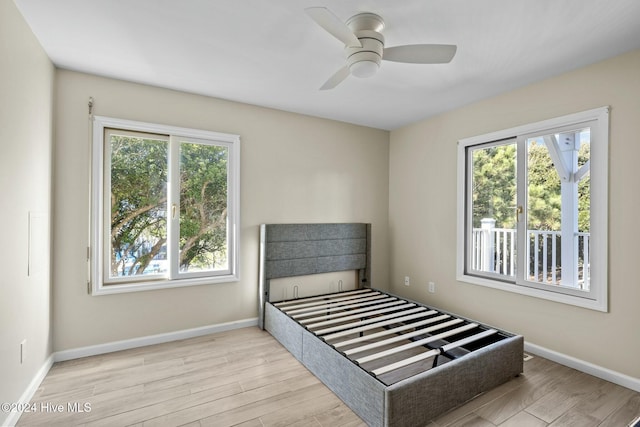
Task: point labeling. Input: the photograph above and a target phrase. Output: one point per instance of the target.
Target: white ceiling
(270, 53)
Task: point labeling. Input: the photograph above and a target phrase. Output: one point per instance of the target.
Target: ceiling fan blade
(336, 79)
(420, 53)
(333, 25)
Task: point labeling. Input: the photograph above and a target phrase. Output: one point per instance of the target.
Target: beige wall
(294, 168)
(26, 101)
(422, 213)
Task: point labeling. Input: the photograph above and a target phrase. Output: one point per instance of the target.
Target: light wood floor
(245, 378)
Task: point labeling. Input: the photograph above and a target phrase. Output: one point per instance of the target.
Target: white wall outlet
(407, 281)
(432, 287)
(23, 350)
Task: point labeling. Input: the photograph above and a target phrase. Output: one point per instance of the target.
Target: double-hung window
(532, 209)
(165, 206)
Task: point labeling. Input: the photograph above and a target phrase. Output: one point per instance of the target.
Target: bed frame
(393, 361)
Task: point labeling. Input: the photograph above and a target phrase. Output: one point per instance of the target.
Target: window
(165, 206)
(532, 209)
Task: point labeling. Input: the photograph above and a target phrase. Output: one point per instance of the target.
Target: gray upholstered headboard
(288, 250)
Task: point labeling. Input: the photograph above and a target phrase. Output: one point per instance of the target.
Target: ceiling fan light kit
(364, 68)
(364, 61)
(364, 45)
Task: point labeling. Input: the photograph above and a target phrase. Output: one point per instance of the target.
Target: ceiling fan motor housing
(364, 61)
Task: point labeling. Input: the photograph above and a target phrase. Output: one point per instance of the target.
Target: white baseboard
(13, 417)
(110, 347)
(586, 367)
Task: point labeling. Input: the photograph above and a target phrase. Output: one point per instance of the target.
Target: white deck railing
(494, 250)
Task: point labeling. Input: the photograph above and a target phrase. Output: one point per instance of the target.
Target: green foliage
(544, 198)
(494, 185)
(138, 202)
(203, 205)
(139, 173)
(584, 191)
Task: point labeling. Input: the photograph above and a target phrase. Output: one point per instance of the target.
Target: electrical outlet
(407, 281)
(432, 287)
(23, 351)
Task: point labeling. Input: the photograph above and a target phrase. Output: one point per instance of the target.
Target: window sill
(599, 304)
(114, 288)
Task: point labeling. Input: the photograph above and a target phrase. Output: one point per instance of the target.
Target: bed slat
(391, 330)
(383, 322)
(398, 305)
(368, 321)
(321, 300)
(403, 337)
(364, 311)
(301, 312)
(432, 353)
(418, 343)
(348, 308)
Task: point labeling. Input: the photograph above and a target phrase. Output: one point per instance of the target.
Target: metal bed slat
(333, 305)
(368, 321)
(402, 337)
(418, 343)
(399, 305)
(322, 300)
(421, 313)
(361, 311)
(432, 353)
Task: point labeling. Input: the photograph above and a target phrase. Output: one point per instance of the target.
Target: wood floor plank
(605, 400)
(130, 377)
(303, 412)
(278, 391)
(522, 397)
(79, 367)
(340, 416)
(283, 403)
(101, 406)
(552, 406)
(575, 419)
(140, 415)
(67, 395)
(534, 371)
(567, 395)
(523, 419)
(629, 411)
(472, 420)
(251, 423)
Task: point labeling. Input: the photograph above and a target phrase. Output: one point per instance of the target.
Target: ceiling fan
(364, 45)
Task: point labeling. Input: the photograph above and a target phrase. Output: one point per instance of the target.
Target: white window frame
(597, 297)
(98, 252)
